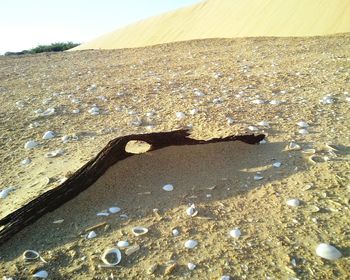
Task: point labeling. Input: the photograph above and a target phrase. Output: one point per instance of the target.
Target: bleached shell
(302, 124)
(91, 235)
(263, 123)
(41, 274)
(102, 214)
(30, 144)
(275, 102)
(277, 164)
(48, 112)
(168, 187)
(26, 161)
(190, 244)
(114, 251)
(114, 210)
(191, 211)
(191, 266)
(294, 202)
(328, 252)
(253, 128)
(263, 142)
(75, 111)
(48, 135)
(258, 177)
(55, 153)
(193, 111)
(303, 131)
(30, 255)
(175, 232)
(230, 120)
(65, 138)
(4, 193)
(139, 230)
(235, 233)
(292, 146)
(180, 115)
(123, 244)
(258, 101)
(225, 277)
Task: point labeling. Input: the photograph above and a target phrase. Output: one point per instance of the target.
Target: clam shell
(191, 211)
(168, 187)
(225, 277)
(114, 210)
(328, 252)
(235, 233)
(191, 266)
(294, 202)
(41, 274)
(253, 128)
(91, 235)
(175, 232)
(309, 151)
(30, 255)
(303, 131)
(123, 244)
(277, 164)
(4, 193)
(180, 115)
(137, 231)
(108, 252)
(48, 135)
(258, 177)
(302, 124)
(292, 146)
(30, 144)
(26, 161)
(264, 123)
(190, 244)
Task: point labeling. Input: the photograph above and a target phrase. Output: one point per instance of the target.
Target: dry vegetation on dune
(221, 87)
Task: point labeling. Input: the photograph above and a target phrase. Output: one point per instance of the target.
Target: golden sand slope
(232, 18)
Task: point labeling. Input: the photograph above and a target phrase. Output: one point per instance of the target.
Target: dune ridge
(230, 19)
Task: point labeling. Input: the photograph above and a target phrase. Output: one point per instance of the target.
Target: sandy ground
(140, 90)
(232, 19)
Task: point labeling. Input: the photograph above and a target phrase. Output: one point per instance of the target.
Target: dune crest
(232, 18)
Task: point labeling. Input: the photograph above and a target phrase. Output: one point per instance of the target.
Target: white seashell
(48, 135)
(60, 221)
(41, 274)
(193, 111)
(139, 231)
(168, 187)
(132, 249)
(294, 202)
(258, 177)
(309, 151)
(303, 131)
(327, 100)
(275, 102)
(55, 153)
(117, 257)
(30, 255)
(264, 124)
(190, 244)
(263, 141)
(277, 164)
(91, 235)
(75, 111)
(102, 214)
(191, 266)
(65, 138)
(302, 124)
(48, 112)
(34, 125)
(230, 120)
(123, 244)
(235, 233)
(114, 210)
(94, 110)
(4, 193)
(30, 144)
(217, 100)
(175, 232)
(191, 211)
(292, 146)
(198, 93)
(328, 252)
(180, 115)
(225, 277)
(258, 101)
(253, 128)
(26, 161)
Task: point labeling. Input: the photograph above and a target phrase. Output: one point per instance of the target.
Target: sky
(25, 24)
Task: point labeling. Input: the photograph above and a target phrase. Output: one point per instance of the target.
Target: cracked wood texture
(113, 152)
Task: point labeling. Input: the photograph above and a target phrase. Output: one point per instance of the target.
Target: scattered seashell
(132, 249)
(180, 115)
(4, 193)
(309, 151)
(303, 131)
(294, 202)
(175, 232)
(168, 187)
(235, 233)
(60, 221)
(253, 128)
(65, 138)
(292, 146)
(94, 110)
(258, 177)
(30, 144)
(277, 164)
(48, 112)
(193, 111)
(190, 244)
(48, 135)
(26, 161)
(225, 277)
(230, 120)
(275, 102)
(264, 124)
(327, 100)
(302, 124)
(258, 101)
(114, 210)
(75, 111)
(41, 274)
(192, 211)
(91, 235)
(139, 230)
(55, 153)
(191, 266)
(328, 252)
(102, 214)
(198, 93)
(111, 257)
(123, 244)
(30, 255)
(263, 142)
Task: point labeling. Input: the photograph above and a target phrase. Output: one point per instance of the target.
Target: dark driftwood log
(95, 168)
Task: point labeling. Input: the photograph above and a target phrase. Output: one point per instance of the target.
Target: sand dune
(232, 18)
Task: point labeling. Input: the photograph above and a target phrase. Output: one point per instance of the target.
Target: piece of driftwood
(95, 168)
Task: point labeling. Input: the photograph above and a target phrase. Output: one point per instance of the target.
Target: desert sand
(222, 87)
(232, 19)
